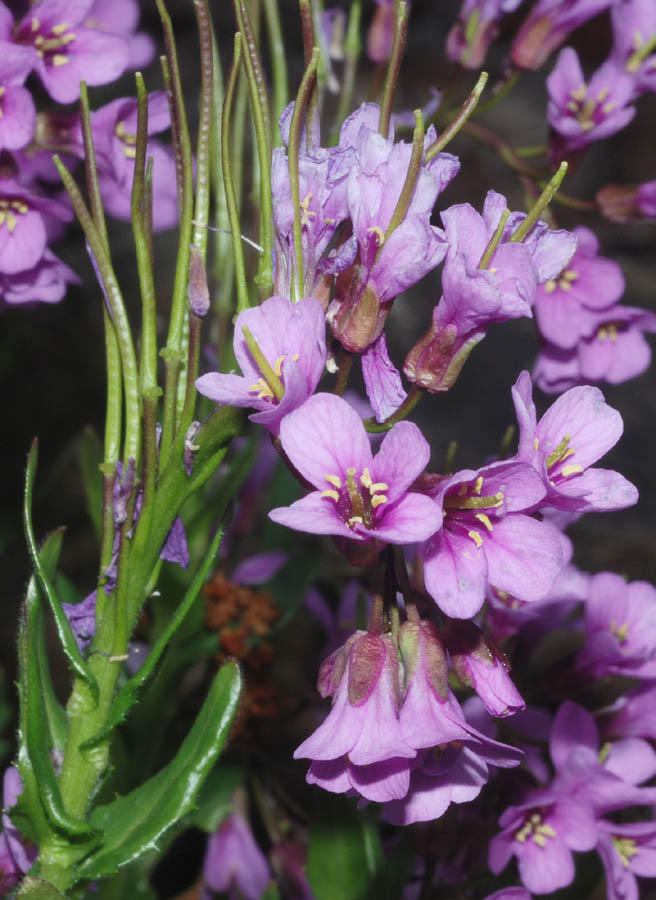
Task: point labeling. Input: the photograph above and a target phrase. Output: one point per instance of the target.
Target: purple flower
(547, 26)
(634, 44)
(82, 618)
(358, 495)
(567, 307)
(323, 181)
(17, 854)
(386, 264)
(479, 665)
(24, 218)
(473, 298)
(476, 28)
(291, 338)
(615, 351)
(487, 538)
(620, 626)
(18, 114)
(234, 864)
(626, 850)
(581, 113)
(363, 724)
(541, 832)
(510, 893)
(115, 134)
(627, 202)
(574, 432)
(44, 283)
(633, 714)
(380, 36)
(122, 17)
(67, 51)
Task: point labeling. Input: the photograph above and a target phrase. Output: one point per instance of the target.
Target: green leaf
(215, 798)
(134, 823)
(42, 722)
(36, 889)
(90, 453)
(339, 853)
(64, 630)
(127, 696)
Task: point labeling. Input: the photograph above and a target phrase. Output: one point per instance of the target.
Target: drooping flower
(388, 261)
(234, 864)
(487, 538)
(358, 495)
(24, 216)
(547, 26)
(620, 627)
(581, 112)
(576, 430)
(380, 36)
(476, 28)
(66, 50)
(623, 203)
(633, 714)
(46, 282)
(292, 343)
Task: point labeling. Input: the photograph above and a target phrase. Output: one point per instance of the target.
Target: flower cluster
(95, 41)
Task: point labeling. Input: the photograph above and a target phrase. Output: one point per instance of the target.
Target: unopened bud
(367, 659)
(436, 360)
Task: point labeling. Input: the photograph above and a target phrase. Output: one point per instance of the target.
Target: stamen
(35, 24)
(365, 479)
(335, 480)
(59, 60)
(626, 849)
(571, 470)
(375, 229)
(378, 486)
(476, 538)
(482, 517)
(559, 452)
(333, 495)
(357, 505)
(378, 499)
(61, 28)
(355, 519)
(277, 368)
(620, 633)
(550, 286)
(536, 443)
(478, 485)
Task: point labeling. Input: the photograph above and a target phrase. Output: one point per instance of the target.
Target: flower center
(589, 111)
(621, 632)
(356, 499)
(49, 44)
(563, 282)
(8, 210)
(127, 139)
(469, 502)
(626, 849)
(558, 455)
(535, 829)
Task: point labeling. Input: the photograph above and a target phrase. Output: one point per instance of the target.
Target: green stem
(352, 50)
(494, 240)
(203, 179)
(454, 127)
(394, 67)
(414, 168)
(302, 98)
(228, 183)
(278, 65)
(148, 359)
(541, 204)
(499, 91)
(404, 410)
(505, 151)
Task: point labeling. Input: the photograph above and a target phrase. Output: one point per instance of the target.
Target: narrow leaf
(127, 696)
(134, 823)
(64, 630)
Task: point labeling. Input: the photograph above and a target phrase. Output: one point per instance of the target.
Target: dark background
(51, 357)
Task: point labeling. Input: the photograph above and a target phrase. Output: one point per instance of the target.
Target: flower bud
(197, 291)
(420, 644)
(436, 360)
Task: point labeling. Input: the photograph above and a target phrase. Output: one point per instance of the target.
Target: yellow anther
(378, 499)
(306, 212)
(378, 486)
(379, 234)
(546, 829)
(602, 334)
(612, 332)
(572, 106)
(59, 59)
(350, 471)
(262, 388)
(606, 747)
(295, 357)
(559, 452)
(539, 839)
(478, 485)
(492, 270)
(329, 221)
(3, 216)
(601, 96)
(608, 107)
(570, 275)
(579, 93)
(476, 538)
(61, 28)
(332, 494)
(536, 443)
(355, 519)
(587, 125)
(626, 849)
(35, 24)
(564, 285)
(130, 152)
(482, 517)
(571, 470)
(621, 632)
(11, 222)
(365, 479)
(277, 366)
(335, 480)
